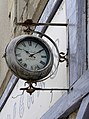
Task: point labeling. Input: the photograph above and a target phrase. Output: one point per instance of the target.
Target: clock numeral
(36, 45)
(19, 48)
(42, 62)
(20, 60)
(18, 55)
(37, 67)
(43, 56)
(32, 68)
(23, 44)
(30, 43)
(25, 65)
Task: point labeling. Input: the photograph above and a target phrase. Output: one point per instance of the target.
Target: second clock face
(32, 54)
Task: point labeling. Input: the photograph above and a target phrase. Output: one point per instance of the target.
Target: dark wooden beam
(83, 112)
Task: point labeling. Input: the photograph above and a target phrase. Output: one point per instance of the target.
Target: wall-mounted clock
(29, 57)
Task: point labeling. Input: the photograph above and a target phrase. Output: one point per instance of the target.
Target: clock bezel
(36, 40)
(20, 71)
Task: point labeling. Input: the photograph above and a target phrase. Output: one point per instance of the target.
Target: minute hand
(36, 52)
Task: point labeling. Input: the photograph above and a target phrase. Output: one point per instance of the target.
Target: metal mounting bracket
(62, 56)
(29, 23)
(30, 89)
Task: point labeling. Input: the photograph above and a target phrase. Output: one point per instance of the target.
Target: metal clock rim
(45, 44)
(50, 39)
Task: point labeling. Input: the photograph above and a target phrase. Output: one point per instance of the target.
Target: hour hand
(27, 51)
(24, 50)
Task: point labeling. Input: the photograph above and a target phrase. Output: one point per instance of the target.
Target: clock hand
(27, 51)
(31, 55)
(24, 50)
(36, 52)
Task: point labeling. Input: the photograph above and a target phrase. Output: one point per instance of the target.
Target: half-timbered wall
(73, 104)
(22, 105)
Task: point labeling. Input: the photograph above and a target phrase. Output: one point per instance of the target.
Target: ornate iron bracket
(29, 23)
(62, 56)
(30, 89)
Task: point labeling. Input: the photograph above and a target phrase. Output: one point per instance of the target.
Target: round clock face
(29, 57)
(32, 55)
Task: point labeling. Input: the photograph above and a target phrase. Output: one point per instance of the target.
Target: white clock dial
(32, 55)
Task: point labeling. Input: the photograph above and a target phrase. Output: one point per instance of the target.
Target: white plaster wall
(88, 29)
(4, 36)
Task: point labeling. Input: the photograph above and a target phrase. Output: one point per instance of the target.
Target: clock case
(18, 70)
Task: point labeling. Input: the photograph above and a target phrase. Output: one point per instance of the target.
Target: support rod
(29, 22)
(30, 89)
(45, 89)
(50, 24)
(51, 89)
